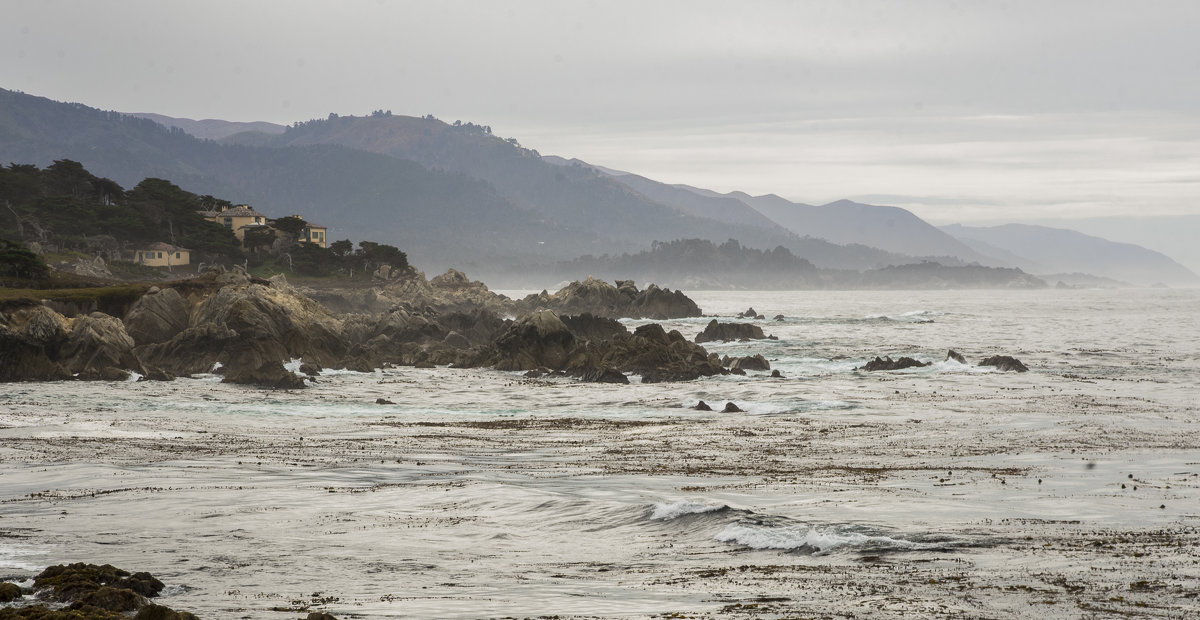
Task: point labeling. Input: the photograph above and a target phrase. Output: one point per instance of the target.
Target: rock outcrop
(602, 299)
(716, 331)
(753, 362)
(101, 592)
(1005, 363)
(157, 316)
(887, 363)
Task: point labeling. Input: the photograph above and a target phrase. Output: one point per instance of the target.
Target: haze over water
(1069, 490)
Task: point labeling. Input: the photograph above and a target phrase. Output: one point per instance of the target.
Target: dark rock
(97, 343)
(755, 362)
(310, 369)
(319, 615)
(731, 408)
(24, 359)
(159, 612)
(587, 326)
(539, 340)
(889, 364)
(603, 299)
(9, 592)
(780, 318)
(536, 373)
(702, 406)
(69, 582)
(256, 362)
(383, 401)
(737, 371)
(956, 356)
(1005, 363)
(776, 374)
(424, 364)
(716, 331)
(111, 599)
(748, 314)
(151, 373)
(604, 375)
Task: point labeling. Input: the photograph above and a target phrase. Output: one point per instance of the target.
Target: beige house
(163, 255)
(238, 219)
(314, 234)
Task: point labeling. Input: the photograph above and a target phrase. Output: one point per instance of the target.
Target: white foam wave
(820, 540)
(666, 512)
(20, 557)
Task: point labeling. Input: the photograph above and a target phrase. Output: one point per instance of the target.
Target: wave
(666, 512)
(816, 540)
(914, 316)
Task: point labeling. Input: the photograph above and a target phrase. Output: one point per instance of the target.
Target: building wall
(163, 258)
(315, 236)
(235, 223)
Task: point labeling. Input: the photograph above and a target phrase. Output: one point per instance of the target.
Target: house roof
(159, 246)
(311, 225)
(209, 213)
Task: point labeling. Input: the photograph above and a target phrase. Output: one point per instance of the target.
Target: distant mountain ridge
(1042, 249)
(211, 128)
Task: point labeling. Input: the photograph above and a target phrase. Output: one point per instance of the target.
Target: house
(238, 219)
(314, 234)
(163, 255)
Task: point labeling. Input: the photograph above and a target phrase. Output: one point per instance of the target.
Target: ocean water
(1070, 491)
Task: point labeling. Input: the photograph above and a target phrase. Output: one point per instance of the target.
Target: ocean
(1072, 490)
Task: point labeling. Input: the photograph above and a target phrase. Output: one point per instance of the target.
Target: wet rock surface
(887, 363)
(1005, 363)
(716, 331)
(92, 592)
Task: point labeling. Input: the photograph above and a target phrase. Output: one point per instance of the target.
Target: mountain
(887, 228)
(1043, 249)
(578, 197)
(211, 128)
(440, 218)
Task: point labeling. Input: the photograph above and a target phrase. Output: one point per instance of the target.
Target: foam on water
(21, 557)
(665, 512)
(820, 541)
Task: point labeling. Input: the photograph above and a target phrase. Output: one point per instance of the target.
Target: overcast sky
(961, 111)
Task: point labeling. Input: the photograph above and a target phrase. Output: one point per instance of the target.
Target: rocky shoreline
(246, 328)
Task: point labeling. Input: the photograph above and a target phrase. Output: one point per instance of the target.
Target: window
(177, 255)
(229, 222)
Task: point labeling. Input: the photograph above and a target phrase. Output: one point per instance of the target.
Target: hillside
(1052, 250)
(438, 217)
(576, 196)
(211, 128)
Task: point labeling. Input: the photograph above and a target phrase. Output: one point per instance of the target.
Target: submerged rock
(889, 364)
(1005, 363)
(9, 592)
(604, 375)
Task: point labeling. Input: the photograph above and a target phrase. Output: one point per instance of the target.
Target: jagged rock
(455, 280)
(731, 408)
(157, 317)
(9, 592)
(717, 331)
(702, 406)
(193, 351)
(587, 326)
(889, 364)
(779, 318)
(96, 345)
(457, 340)
(605, 300)
(755, 362)
(310, 369)
(737, 371)
(23, 359)
(1005, 363)
(748, 314)
(69, 582)
(956, 356)
(604, 375)
(541, 339)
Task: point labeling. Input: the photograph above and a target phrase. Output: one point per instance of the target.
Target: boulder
(889, 364)
(159, 612)
(731, 408)
(457, 340)
(587, 326)
(702, 406)
(724, 332)
(1005, 363)
(956, 356)
(775, 374)
(755, 362)
(9, 592)
(157, 317)
(24, 359)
